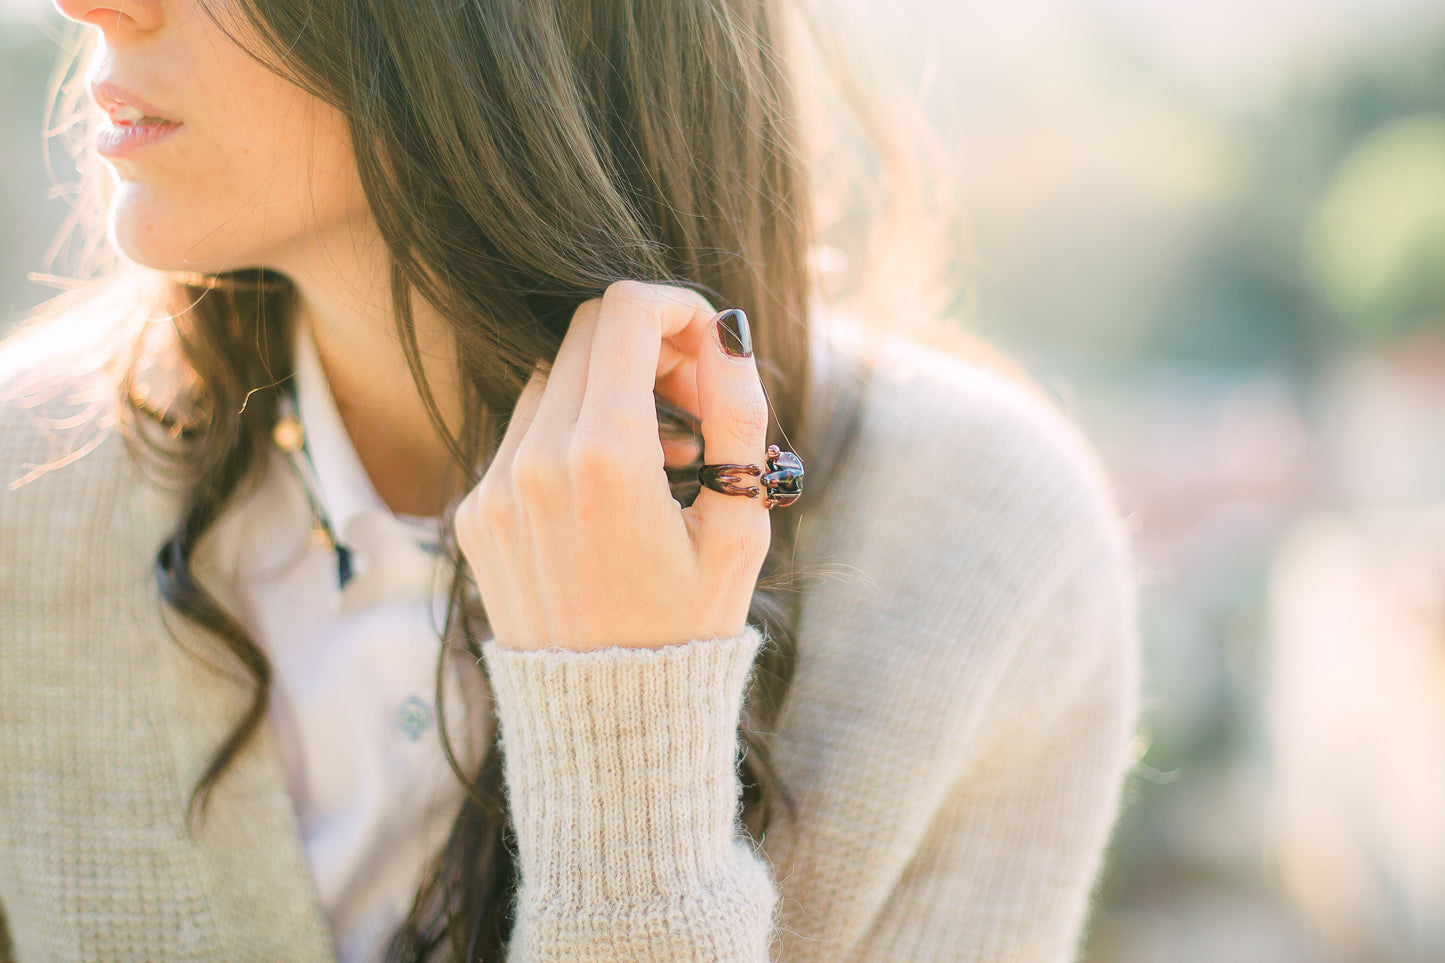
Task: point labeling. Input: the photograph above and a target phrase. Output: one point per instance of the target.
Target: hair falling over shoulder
(518, 158)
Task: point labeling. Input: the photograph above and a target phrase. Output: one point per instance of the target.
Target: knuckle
(466, 523)
(749, 417)
(587, 311)
(592, 458)
(535, 473)
(628, 423)
(491, 506)
(632, 292)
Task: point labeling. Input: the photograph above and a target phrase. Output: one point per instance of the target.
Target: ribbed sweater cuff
(621, 774)
(621, 762)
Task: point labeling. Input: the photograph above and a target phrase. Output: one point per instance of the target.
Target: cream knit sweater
(955, 737)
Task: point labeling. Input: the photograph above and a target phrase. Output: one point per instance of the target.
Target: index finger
(623, 369)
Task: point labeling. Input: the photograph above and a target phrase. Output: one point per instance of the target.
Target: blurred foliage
(1375, 244)
(1334, 235)
(1326, 241)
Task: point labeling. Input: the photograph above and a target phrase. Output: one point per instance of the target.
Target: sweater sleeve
(961, 717)
(1005, 866)
(621, 772)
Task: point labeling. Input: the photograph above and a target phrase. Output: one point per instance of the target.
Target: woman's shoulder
(957, 450)
(969, 536)
(965, 576)
(81, 518)
(63, 457)
(58, 396)
(963, 696)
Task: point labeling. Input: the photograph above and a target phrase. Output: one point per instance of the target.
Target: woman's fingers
(488, 513)
(734, 413)
(677, 378)
(567, 381)
(627, 353)
(523, 414)
(550, 399)
(575, 484)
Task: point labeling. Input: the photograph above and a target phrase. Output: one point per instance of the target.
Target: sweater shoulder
(67, 470)
(966, 460)
(59, 398)
(970, 537)
(964, 682)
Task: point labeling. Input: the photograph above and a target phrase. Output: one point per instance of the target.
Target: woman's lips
(118, 140)
(133, 122)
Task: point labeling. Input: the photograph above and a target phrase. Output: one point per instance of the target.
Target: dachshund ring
(781, 483)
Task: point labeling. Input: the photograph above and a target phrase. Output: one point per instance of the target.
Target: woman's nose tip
(113, 15)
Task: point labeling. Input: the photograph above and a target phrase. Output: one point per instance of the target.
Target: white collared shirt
(354, 671)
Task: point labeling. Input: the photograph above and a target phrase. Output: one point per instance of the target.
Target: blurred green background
(1216, 232)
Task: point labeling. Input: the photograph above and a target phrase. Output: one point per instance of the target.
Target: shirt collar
(344, 488)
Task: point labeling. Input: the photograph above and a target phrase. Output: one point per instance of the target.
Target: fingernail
(733, 334)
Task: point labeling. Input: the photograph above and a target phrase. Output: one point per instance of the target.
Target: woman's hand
(572, 534)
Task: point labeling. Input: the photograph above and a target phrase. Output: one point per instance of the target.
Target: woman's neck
(346, 304)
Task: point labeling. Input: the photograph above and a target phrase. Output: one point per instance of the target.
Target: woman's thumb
(734, 420)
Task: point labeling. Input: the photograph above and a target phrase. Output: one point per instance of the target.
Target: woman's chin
(168, 231)
(164, 254)
(154, 239)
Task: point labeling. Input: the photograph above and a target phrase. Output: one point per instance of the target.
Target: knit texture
(624, 794)
(954, 741)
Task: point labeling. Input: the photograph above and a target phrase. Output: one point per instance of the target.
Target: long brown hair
(518, 156)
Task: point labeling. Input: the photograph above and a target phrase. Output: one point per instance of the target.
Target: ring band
(780, 482)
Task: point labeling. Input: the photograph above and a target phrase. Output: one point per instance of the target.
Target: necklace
(290, 437)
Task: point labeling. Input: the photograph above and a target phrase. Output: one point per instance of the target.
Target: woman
(430, 289)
